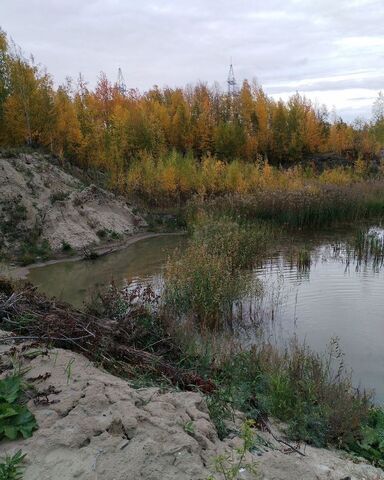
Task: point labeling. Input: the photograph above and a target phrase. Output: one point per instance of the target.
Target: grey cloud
(176, 42)
(374, 83)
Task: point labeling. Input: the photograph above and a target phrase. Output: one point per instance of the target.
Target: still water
(75, 282)
(332, 298)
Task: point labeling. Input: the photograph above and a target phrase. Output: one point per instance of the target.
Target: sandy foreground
(94, 426)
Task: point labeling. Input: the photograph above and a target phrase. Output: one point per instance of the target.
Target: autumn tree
(175, 131)
(280, 136)
(4, 81)
(229, 140)
(67, 135)
(17, 108)
(378, 118)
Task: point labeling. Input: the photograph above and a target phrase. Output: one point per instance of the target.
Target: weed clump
(58, 197)
(34, 249)
(66, 247)
(311, 393)
(206, 281)
(11, 468)
(367, 246)
(107, 234)
(230, 466)
(370, 445)
(15, 418)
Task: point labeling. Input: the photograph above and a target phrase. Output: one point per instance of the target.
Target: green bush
(241, 243)
(201, 286)
(33, 250)
(66, 247)
(106, 233)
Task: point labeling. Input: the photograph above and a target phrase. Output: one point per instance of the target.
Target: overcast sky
(330, 50)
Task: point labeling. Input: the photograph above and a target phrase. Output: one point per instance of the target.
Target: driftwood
(89, 254)
(33, 317)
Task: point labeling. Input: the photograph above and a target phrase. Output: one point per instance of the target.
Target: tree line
(109, 129)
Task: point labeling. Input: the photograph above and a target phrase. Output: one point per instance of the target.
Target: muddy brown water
(333, 299)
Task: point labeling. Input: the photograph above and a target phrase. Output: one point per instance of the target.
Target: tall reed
(205, 281)
(312, 208)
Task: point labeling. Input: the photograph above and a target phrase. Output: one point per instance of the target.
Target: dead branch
(32, 317)
(265, 425)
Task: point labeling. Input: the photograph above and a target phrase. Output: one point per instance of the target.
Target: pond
(335, 297)
(75, 282)
(332, 296)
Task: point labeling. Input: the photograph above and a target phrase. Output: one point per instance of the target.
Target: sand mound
(38, 196)
(96, 426)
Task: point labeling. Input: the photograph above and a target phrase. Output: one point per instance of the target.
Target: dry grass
(309, 207)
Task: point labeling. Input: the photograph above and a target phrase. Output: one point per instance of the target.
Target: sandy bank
(93, 425)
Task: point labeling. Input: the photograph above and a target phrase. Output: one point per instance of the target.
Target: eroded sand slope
(57, 205)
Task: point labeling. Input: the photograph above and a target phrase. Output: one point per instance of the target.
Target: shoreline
(21, 272)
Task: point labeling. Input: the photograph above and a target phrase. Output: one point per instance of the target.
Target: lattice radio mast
(231, 81)
(121, 82)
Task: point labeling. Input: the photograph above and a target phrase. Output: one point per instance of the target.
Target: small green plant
(106, 233)
(58, 197)
(371, 444)
(89, 254)
(66, 247)
(189, 427)
(219, 407)
(68, 369)
(230, 466)
(102, 233)
(303, 261)
(11, 467)
(15, 418)
(114, 235)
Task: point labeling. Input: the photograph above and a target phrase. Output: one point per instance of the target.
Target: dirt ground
(39, 198)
